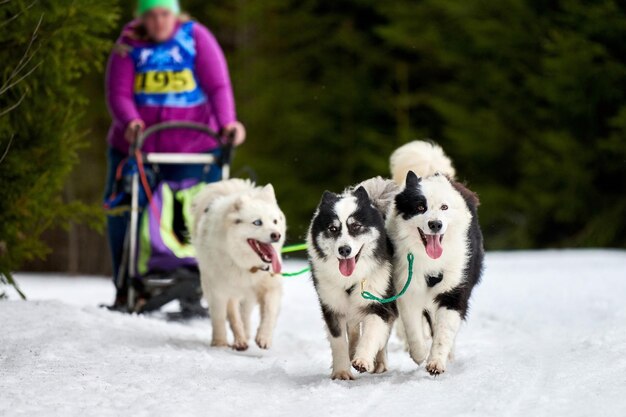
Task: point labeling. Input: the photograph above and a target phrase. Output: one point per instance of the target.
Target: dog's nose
(275, 236)
(345, 251)
(435, 225)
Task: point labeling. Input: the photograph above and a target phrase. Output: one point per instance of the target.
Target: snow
(546, 336)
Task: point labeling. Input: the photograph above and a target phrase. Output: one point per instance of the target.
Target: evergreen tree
(529, 102)
(45, 48)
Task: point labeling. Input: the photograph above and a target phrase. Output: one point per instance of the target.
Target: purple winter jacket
(211, 78)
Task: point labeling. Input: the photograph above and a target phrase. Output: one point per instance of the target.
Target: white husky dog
(435, 218)
(238, 234)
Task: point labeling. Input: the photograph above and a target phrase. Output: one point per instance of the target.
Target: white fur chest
(343, 294)
(450, 268)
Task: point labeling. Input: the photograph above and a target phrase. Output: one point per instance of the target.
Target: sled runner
(158, 262)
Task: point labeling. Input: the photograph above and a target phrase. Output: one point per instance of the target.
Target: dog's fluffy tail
(381, 192)
(423, 158)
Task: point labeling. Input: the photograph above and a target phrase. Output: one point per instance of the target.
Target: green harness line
(365, 294)
(295, 248)
(295, 274)
(369, 296)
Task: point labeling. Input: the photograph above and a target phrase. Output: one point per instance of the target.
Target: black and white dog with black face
(435, 218)
(349, 250)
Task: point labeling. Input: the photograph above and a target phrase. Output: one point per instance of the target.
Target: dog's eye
(444, 207)
(257, 222)
(333, 229)
(421, 208)
(275, 221)
(355, 227)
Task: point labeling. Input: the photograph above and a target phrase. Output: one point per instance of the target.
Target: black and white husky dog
(349, 251)
(435, 218)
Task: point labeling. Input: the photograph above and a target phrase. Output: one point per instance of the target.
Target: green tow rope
(365, 294)
(295, 274)
(369, 296)
(295, 248)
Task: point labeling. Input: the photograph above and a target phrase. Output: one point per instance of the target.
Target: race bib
(164, 72)
(163, 82)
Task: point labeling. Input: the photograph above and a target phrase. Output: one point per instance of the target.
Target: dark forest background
(527, 96)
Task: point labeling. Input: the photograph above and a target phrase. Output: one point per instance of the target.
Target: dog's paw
(240, 345)
(379, 367)
(435, 367)
(219, 343)
(343, 375)
(263, 342)
(418, 354)
(362, 365)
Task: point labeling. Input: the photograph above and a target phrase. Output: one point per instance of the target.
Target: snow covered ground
(546, 336)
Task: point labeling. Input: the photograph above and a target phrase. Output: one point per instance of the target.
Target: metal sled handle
(226, 143)
(141, 137)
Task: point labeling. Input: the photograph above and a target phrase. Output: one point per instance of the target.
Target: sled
(148, 288)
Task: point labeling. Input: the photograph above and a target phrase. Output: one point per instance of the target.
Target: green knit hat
(144, 6)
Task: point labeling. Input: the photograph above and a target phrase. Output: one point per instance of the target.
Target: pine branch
(15, 16)
(13, 106)
(5, 88)
(23, 62)
(6, 151)
(9, 277)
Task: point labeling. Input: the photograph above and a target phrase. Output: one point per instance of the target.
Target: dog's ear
(328, 198)
(267, 193)
(361, 194)
(412, 180)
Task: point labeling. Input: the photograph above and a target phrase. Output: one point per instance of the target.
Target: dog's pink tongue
(269, 252)
(346, 266)
(433, 246)
(276, 265)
